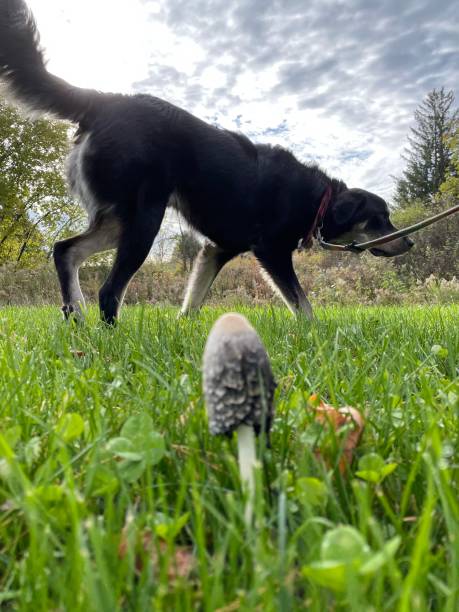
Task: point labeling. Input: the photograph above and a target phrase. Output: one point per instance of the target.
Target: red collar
(306, 242)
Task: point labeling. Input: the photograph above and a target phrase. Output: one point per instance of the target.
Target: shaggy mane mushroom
(239, 388)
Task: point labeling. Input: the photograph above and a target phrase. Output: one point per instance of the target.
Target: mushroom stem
(247, 463)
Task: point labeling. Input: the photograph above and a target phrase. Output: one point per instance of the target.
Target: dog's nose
(409, 242)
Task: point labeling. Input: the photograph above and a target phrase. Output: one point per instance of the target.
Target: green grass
(69, 487)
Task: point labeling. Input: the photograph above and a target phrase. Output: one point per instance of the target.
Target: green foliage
(79, 532)
(311, 491)
(429, 156)
(138, 447)
(186, 248)
(168, 528)
(449, 189)
(373, 468)
(436, 251)
(70, 426)
(34, 205)
(347, 560)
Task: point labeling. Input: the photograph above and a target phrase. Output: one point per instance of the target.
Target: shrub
(343, 280)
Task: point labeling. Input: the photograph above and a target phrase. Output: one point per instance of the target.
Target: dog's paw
(109, 306)
(108, 321)
(188, 313)
(72, 314)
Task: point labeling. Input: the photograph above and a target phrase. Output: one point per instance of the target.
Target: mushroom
(238, 388)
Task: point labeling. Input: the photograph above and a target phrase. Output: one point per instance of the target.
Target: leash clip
(353, 247)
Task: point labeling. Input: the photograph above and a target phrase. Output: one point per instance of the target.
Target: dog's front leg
(278, 270)
(135, 241)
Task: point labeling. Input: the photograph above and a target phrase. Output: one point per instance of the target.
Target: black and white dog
(136, 155)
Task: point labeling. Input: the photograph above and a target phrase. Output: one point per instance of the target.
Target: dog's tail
(23, 68)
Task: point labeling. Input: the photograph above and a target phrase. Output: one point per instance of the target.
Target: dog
(135, 155)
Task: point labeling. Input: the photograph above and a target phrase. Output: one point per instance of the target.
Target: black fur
(138, 154)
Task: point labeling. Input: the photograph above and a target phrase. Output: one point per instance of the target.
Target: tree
(186, 248)
(34, 205)
(429, 156)
(449, 189)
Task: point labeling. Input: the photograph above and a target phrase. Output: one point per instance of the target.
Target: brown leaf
(337, 419)
(123, 544)
(183, 563)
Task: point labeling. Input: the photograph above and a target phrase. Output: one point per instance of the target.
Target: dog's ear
(347, 204)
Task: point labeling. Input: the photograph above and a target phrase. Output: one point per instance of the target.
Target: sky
(335, 81)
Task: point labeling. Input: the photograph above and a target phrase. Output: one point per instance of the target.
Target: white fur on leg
(77, 302)
(305, 306)
(270, 281)
(302, 307)
(204, 271)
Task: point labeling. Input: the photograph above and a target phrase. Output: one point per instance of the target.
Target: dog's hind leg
(278, 271)
(136, 238)
(69, 254)
(209, 261)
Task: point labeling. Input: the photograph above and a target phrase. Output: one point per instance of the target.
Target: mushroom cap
(237, 377)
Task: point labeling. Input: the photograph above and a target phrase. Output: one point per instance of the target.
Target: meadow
(114, 496)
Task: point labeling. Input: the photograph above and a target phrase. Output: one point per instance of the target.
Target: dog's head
(356, 214)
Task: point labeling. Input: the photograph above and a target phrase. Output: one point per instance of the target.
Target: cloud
(337, 81)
